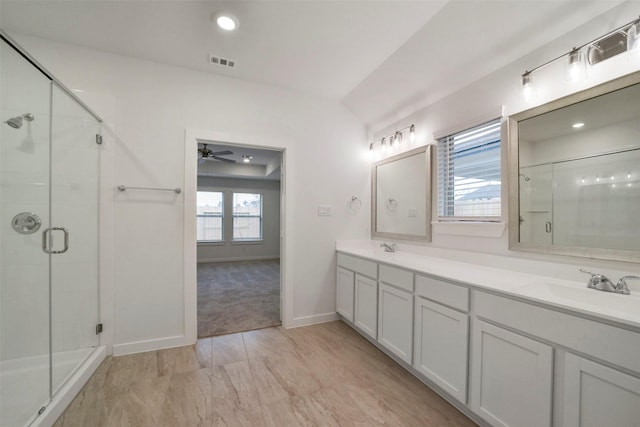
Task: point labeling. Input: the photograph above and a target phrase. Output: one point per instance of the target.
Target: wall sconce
(527, 86)
(576, 67)
(392, 140)
(633, 38)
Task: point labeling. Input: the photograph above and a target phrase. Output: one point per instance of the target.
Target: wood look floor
(322, 375)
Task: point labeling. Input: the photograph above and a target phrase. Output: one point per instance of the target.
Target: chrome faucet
(389, 248)
(622, 284)
(601, 282)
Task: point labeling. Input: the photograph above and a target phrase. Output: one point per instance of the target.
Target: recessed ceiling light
(226, 21)
(247, 159)
(578, 125)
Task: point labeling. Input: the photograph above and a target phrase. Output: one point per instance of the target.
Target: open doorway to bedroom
(238, 207)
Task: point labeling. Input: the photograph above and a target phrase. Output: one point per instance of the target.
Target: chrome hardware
(124, 188)
(389, 248)
(45, 244)
(547, 227)
(601, 282)
(26, 223)
(622, 287)
(98, 139)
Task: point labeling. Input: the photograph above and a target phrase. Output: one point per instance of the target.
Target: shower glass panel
(74, 273)
(49, 171)
(24, 266)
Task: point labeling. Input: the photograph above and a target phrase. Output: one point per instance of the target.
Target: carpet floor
(238, 296)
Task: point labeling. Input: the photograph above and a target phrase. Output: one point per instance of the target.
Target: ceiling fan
(205, 154)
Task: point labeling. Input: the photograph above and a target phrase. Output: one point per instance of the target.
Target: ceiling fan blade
(222, 159)
(222, 153)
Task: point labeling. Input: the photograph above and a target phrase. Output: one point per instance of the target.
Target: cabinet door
(441, 346)
(511, 377)
(366, 308)
(395, 321)
(344, 293)
(596, 395)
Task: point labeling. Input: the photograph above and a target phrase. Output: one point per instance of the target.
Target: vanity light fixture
(577, 125)
(576, 68)
(576, 63)
(633, 37)
(393, 140)
(527, 85)
(246, 158)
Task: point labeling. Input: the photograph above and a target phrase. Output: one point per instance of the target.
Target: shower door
(74, 235)
(24, 214)
(49, 170)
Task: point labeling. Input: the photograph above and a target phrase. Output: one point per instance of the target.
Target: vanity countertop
(564, 294)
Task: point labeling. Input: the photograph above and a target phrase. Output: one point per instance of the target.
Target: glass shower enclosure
(49, 171)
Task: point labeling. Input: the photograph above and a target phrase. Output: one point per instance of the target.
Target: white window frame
(448, 139)
(235, 240)
(221, 216)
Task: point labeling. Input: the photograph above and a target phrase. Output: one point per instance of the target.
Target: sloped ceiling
(382, 59)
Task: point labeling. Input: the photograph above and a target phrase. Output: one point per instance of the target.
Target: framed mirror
(574, 174)
(401, 196)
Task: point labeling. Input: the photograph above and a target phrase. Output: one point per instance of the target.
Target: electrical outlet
(324, 210)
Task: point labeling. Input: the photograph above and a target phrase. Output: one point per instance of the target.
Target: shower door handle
(45, 240)
(547, 227)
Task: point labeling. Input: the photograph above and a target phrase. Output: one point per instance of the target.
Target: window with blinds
(469, 174)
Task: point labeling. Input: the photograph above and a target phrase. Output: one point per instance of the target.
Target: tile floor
(322, 375)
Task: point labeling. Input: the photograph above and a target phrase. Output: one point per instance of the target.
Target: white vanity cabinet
(503, 358)
(441, 334)
(511, 377)
(596, 395)
(345, 293)
(366, 305)
(395, 308)
(357, 292)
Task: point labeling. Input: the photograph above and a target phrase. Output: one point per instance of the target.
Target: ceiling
(380, 58)
(264, 164)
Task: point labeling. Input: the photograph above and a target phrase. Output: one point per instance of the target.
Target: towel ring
(392, 204)
(355, 204)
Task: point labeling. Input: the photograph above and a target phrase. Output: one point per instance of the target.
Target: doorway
(238, 219)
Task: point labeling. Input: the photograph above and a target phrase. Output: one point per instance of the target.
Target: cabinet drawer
(446, 293)
(364, 267)
(397, 277)
(605, 342)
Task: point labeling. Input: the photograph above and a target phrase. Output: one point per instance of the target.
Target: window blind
(469, 185)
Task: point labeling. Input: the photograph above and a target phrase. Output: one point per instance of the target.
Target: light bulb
(412, 134)
(633, 38)
(576, 67)
(527, 86)
(397, 139)
(384, 146)
(227, 22)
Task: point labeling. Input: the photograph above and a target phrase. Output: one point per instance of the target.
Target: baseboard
(313, 320)
(150, 345)
(249, 258)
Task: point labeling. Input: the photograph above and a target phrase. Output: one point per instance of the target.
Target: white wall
(154, 104)
(502, 91)
(269, 247)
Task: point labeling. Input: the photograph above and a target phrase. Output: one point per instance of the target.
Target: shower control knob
(26, 223)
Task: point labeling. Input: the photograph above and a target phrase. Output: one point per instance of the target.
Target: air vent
(223, 62)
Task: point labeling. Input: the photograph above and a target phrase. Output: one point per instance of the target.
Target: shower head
(16, 122)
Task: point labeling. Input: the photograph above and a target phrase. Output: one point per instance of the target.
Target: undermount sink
(589, 299)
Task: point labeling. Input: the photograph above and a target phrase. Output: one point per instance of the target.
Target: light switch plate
(324, 210)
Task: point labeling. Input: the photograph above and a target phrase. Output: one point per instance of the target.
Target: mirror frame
(514, 170)
(428, 157)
